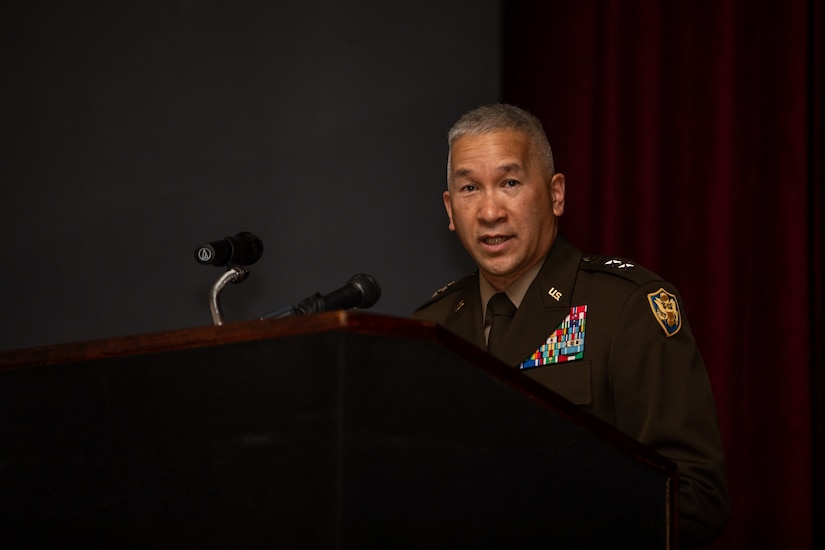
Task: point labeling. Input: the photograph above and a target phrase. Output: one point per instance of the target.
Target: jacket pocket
(570, 380)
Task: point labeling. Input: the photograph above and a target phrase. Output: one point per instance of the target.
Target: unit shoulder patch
(665, 308)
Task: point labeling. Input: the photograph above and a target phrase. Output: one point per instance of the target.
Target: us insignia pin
(665, 309)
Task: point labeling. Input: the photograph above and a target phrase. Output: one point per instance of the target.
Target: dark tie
(500, 310)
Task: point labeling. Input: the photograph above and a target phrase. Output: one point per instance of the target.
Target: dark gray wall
(133, 132)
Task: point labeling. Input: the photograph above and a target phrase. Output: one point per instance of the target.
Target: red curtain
(689, 135)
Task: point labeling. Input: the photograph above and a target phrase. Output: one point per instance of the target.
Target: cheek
(464, 226)
(539, 206)
(459, 216)
(531, 210)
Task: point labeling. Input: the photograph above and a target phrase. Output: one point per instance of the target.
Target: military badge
(619, 264)
(665, 309)
(443, 289)
(566, 343)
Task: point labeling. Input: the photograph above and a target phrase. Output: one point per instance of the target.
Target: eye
(468, 187)
(511, 183)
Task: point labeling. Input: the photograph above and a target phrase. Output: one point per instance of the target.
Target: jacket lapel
(464, 318)
(545, 305)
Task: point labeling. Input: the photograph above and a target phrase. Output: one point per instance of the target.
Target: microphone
(361, 291)
(244, 248)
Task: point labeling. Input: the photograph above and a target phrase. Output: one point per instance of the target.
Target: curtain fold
(689, 133)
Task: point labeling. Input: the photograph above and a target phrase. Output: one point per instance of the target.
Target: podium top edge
(211, 335)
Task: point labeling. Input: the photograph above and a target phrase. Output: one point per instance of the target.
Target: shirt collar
(515, 291)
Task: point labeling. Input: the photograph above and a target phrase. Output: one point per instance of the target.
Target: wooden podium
(336, 430)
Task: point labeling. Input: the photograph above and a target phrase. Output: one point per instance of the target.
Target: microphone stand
(234, 274)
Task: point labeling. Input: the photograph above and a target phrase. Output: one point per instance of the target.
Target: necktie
(501, 310)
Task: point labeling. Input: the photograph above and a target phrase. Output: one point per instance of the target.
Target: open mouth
(492, 241)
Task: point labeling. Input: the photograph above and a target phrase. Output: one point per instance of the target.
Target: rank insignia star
(665, 309)
(619, 264)
(443, 289)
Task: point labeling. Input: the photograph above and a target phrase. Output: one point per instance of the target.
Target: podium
(336, 430)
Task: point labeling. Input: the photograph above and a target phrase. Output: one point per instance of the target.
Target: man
(606, 334)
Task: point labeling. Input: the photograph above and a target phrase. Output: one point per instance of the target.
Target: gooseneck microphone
(361, 291)
(244, 248)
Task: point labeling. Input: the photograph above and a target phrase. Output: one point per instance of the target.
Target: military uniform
(610, 337)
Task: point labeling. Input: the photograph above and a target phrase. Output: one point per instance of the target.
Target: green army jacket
(638, 369)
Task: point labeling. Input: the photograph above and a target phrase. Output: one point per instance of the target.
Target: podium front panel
(331, 439)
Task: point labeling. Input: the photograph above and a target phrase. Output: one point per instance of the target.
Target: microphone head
(244, 248)
(368, 287)
(247, 248)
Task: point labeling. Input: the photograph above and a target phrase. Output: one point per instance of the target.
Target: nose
(491, 210)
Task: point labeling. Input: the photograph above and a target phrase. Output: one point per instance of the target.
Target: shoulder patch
(665, 308)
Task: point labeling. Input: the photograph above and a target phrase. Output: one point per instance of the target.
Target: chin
(497, 271)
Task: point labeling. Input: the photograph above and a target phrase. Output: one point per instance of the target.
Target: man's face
(502, 203)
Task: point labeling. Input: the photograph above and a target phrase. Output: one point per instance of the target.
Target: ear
(448, 206)
(557, 193)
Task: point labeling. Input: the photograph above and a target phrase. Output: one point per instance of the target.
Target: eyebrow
(504, 169)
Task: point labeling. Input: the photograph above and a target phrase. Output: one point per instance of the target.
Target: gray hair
(500, 116)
